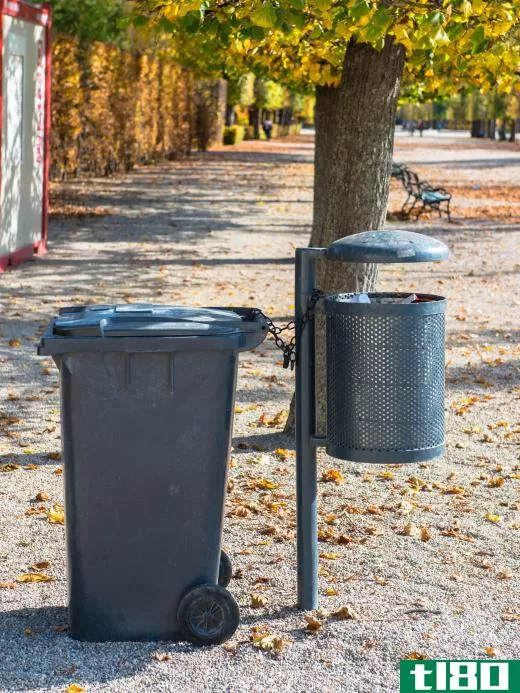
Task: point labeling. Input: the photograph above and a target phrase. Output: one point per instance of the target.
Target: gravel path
(429, 557)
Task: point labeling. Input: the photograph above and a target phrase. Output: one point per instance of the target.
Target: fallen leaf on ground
(345, 613)
(330, 556)
(313, 623)
(495, 519)
(39, 497)
(490, 651)
(496, 482)
(268, 641)
(56, 514)
(161, 656)
(8, 585)
(416, 655)
(510, 616)
(9, 467)
(40, 566)
(278, 419)
(456, 534)
(54, 456)
(332, 475)
(262, 484)
(505, 575)
(425, 534)
(284, 454)
(258, 600)
(34, 577)
(36, 510)
(411, 530)
(76, 688)
(15, 343)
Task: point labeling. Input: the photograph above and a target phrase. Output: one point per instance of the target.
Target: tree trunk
(352, 177)
(256, 122)
(326, 113)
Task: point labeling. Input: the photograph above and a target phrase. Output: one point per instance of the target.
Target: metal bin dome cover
(387, 246)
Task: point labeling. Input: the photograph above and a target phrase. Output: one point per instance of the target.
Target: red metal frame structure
(37, 14)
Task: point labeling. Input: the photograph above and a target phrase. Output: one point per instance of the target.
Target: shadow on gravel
(41, 459)
(491, 336)
(49, 657)
(266, 442)
(484, 377)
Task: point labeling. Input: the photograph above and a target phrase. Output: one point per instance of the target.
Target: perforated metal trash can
(385, 378)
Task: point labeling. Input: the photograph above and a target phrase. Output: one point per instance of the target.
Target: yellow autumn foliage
(113, 108)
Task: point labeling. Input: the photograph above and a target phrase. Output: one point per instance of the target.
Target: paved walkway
(431, 555)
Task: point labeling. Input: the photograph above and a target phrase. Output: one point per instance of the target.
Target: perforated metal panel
(385, 378)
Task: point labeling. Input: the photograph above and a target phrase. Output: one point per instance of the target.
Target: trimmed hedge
(234, 134)
(113, 108)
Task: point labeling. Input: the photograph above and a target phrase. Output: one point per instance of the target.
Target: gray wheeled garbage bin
(147, 398)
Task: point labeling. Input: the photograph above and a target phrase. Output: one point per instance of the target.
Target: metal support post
(305, 403)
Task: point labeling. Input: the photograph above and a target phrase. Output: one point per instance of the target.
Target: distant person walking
(411, 126)
(268, 127)
(420, 127)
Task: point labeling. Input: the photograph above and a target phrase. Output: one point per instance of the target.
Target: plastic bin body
(385, 379)
(146, 434)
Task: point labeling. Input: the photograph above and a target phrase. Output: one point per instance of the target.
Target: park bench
(421, 192)
(397, 170)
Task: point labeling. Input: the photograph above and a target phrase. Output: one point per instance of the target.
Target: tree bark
(326, 114)
(352, 177)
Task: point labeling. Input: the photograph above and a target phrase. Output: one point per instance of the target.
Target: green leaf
(255, 33)
(265, 16)
(434, 18)
(382, 18)
(322, 4)
(455, 31)
(360, 9)
(317, 32)
(166, 25)
(140, 20)
(190, 22)
(478, 39)
(295, 18)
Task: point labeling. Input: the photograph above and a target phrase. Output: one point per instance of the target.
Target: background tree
(91, 20)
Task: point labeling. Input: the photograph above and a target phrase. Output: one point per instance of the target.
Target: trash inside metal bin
(385, 378)
(147, 398)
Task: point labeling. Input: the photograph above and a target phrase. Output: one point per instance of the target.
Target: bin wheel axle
(208, 615)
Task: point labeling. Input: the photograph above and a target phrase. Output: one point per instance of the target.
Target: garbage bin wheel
(208, 615)
(225, 570)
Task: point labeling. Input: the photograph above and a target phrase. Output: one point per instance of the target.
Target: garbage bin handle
(134, 309)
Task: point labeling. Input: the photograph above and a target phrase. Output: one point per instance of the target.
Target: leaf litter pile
(416, 561)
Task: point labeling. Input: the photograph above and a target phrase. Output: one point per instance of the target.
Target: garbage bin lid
(141, 320)
(387, 246)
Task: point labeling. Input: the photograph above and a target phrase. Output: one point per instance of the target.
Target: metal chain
(288, 348)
